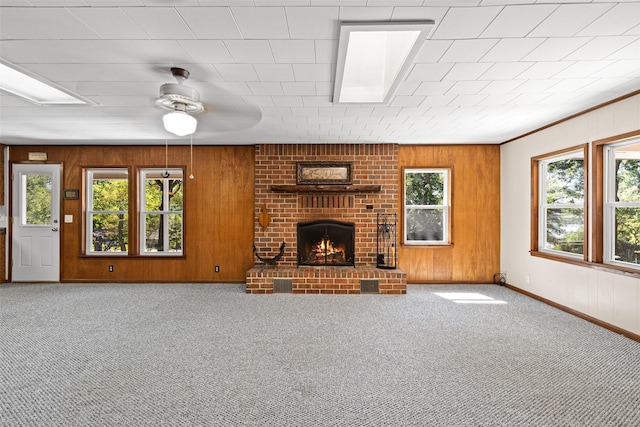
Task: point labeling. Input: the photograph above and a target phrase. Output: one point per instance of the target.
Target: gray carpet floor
(211, 355)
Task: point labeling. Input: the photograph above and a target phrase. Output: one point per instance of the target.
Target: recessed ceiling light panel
(372, 58)
(34, 88)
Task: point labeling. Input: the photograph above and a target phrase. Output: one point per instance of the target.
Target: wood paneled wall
(218, 210)
(474, 256)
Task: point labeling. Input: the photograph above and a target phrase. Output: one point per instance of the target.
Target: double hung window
(561, 213)
(621, 217)
(107, 192)
(161, 215)
(426, 206)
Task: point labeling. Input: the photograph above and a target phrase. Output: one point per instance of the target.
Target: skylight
(34, 89)
(372, 58)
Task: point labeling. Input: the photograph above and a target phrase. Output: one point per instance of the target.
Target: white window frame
(610, 205)
(172, 173)
(90, 212)
(544, 206)
(446, 206)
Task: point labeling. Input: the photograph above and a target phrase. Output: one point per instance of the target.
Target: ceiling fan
(227, 112)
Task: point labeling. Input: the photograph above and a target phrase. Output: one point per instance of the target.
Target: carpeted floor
(211, 355)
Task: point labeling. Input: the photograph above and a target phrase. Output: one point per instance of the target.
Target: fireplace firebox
(326, 243)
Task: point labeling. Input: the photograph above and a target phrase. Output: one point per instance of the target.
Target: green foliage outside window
(424, 205)
(110, 219)
(158, 216)
(627, 219)
(38, 199)
(565, 201)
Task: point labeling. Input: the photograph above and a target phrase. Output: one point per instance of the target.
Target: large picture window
(426, 206)
(561, 213)
(622, 203)
(161, 199)
(107, 193)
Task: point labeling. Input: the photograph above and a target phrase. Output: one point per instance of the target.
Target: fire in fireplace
(326, 243)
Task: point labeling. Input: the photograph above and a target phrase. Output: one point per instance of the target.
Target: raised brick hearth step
(325, 280)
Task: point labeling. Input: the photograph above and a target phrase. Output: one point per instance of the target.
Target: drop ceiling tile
(434, 88)
(582, 69)
(261, 22)
(406, 101)
(313, 22)
(517, 21)
(545, 70)
(467, 87)
(619, 69)
(465, 22)
(369, 13)
(630, 51)
(568, 19)
(467, 71)
(326, 51)
(437, 100)
(432, 50)
(109, 23)
(293, 51)
(213, 51)
(601, 48)
(616, 21)
(407, 88)
(210, 22)
(557, 48)
(287, 101)
(324, 88)
(44, 22)
(468, 50)
(250, 51)
(499, 87)
(506, 70)
(299, 88)
(316, 101)
(570, 86)
(160, 22)
(426, 12)
(238, 72)
(428, 72)
(498, 99)
(313, 72)
(511, 49)
(265, 88)
(274, 72)
(160, 51)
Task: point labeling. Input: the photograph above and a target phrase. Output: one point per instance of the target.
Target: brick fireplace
(281, 205)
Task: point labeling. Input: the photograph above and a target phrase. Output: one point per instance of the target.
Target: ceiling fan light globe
(179, 123)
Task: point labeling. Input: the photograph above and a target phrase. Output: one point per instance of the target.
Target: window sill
(426, 245)
(609, 268)
(131, 256)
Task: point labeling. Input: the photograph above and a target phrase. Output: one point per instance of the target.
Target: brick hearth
(325, 280)
(275, 165)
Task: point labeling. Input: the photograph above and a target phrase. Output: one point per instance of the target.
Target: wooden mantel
(333, 188)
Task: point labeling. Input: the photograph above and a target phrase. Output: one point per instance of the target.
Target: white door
(36, 223)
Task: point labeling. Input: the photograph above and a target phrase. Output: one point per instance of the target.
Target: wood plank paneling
(474, 256)
(218, 221)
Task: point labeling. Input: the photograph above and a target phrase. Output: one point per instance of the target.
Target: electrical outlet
(527, 279)
(217, 269)
(111, 269)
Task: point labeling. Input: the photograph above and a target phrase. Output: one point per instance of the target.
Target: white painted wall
(607, 296)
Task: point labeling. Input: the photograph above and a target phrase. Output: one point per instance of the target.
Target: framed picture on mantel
(323, 173)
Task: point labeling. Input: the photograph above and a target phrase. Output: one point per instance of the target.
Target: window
(426, 206)
(161, 201)
(107, 193)
(621, 214)
(561, 213)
